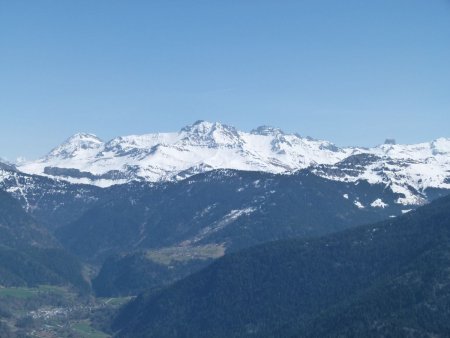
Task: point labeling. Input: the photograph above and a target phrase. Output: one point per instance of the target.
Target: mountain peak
(441, 146)
(267, 131)
(83, 137)
(75, 144)
(210, 134)
(202, 126)
(390, 141)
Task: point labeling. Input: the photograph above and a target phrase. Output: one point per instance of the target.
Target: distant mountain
(29, 254)
(200, 147)
(386, 279)
(411, 170)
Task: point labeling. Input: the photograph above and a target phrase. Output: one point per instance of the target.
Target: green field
(169, 255)
(118, 301)
(84, 328)
(24, 292)
(18, 292)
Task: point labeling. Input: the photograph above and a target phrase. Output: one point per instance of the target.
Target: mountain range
(410, 170)
(152, 213)
(158, 207)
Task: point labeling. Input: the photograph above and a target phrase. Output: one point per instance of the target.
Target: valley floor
(54, 312)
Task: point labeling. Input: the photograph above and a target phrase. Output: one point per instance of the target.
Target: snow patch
(378, 203)
(358, 204)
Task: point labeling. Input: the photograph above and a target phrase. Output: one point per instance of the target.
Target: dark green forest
(29, 255)
(387, 279)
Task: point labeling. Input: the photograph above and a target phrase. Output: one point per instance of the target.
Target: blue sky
(353, 72)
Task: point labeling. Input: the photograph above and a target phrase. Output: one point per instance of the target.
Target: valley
(48, 311)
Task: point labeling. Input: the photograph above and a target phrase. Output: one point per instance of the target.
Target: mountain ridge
(204, 146)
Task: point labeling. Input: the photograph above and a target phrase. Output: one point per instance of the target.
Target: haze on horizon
(353, 73)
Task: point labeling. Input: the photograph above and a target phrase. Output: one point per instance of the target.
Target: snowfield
(205, 146)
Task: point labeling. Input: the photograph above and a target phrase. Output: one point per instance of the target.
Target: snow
(226, 220)
(407, 170)
(378, 203)
(358, 204)
(201, 146)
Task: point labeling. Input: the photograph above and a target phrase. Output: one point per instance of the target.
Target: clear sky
(353, 72)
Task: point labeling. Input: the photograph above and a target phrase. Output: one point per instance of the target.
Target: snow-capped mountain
(205, 146)
(406, 169)
(200, 147)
